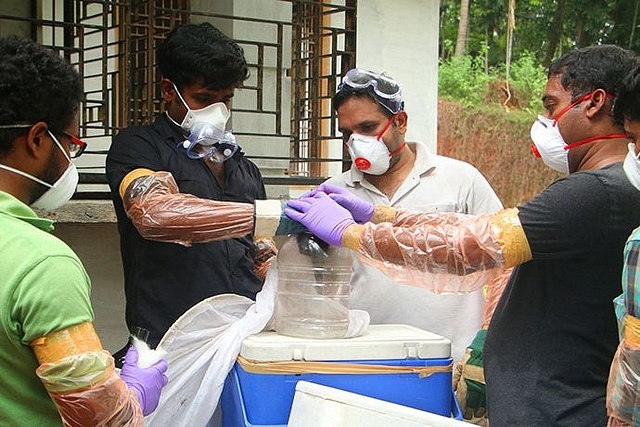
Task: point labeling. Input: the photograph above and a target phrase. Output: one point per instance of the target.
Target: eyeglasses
(77, 146)
(388, 92)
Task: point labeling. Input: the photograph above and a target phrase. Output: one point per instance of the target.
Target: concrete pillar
(401, 39)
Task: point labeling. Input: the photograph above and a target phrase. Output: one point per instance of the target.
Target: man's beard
(51, 175)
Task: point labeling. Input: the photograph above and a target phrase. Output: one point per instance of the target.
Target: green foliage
(463, 79)
(498, 144)
(544, 28)
(529, 71)
(529, 78)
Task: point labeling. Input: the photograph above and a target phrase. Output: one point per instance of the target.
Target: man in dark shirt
(623, 389)
(172, 183)
(553, 334)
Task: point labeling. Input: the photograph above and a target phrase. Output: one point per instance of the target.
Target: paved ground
(98, 247)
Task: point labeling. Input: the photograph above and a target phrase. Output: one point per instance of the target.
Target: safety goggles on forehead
(76, 146)
(382, 85)
(388, 92)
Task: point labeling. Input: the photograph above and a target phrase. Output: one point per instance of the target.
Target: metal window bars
(295, 69)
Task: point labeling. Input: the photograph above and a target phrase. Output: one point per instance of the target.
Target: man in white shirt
(388, 170)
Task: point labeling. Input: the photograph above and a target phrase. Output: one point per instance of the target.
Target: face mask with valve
(549, 144)
(369, 153)
(207, 135)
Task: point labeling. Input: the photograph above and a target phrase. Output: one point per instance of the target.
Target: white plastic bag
(203, 345)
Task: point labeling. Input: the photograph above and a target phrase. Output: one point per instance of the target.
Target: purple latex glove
(360, 209)
(322, 216)
(147, 383)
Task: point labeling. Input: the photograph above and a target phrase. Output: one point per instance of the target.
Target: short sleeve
(54, 295)
(568, 218)
(631, 274)
(131, 149)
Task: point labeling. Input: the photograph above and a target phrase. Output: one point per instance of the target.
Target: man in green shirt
(52, 364)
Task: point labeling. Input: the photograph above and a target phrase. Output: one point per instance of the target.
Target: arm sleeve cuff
(130, 177)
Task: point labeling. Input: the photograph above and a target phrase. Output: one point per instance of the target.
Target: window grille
(112, 43)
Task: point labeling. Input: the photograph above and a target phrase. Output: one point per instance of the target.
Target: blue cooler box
(253, 396)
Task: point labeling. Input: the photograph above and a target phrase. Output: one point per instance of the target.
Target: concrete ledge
(83, 211)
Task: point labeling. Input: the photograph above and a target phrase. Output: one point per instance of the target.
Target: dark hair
(201, 51)
(36, 84)
(347, 92)
(595, 67)
(627, 104)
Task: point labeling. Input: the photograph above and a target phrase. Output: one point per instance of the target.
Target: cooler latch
(297, 353)
(411, 350)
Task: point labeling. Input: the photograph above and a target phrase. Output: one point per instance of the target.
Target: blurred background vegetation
(486, 123)
(498, 144)
(493, 61)
(544, 28)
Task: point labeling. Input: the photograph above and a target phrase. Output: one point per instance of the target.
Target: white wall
(401, 39)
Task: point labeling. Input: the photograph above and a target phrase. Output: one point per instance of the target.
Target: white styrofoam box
(379, 342)
(316, 405)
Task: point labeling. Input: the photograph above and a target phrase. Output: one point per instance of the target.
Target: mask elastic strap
(576, 102)
(387, 126)
(180, 96)
(59, 145)
(26, 175)
(166, 113)
(31, 177)
(595, 138)
(397, 150)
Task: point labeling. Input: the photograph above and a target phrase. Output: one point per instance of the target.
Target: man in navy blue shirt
(181, 187)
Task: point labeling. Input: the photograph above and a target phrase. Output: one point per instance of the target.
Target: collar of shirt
(173, 133)
(13, 207)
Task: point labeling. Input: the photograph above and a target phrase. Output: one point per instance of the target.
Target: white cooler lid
(316, 405)
(377, 343)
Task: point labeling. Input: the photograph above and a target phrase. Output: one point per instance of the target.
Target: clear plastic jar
(312, 300)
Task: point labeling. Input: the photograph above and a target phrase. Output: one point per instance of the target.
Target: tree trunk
(463, 29)
(633, 26)
(555, 33)
(580, 35)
